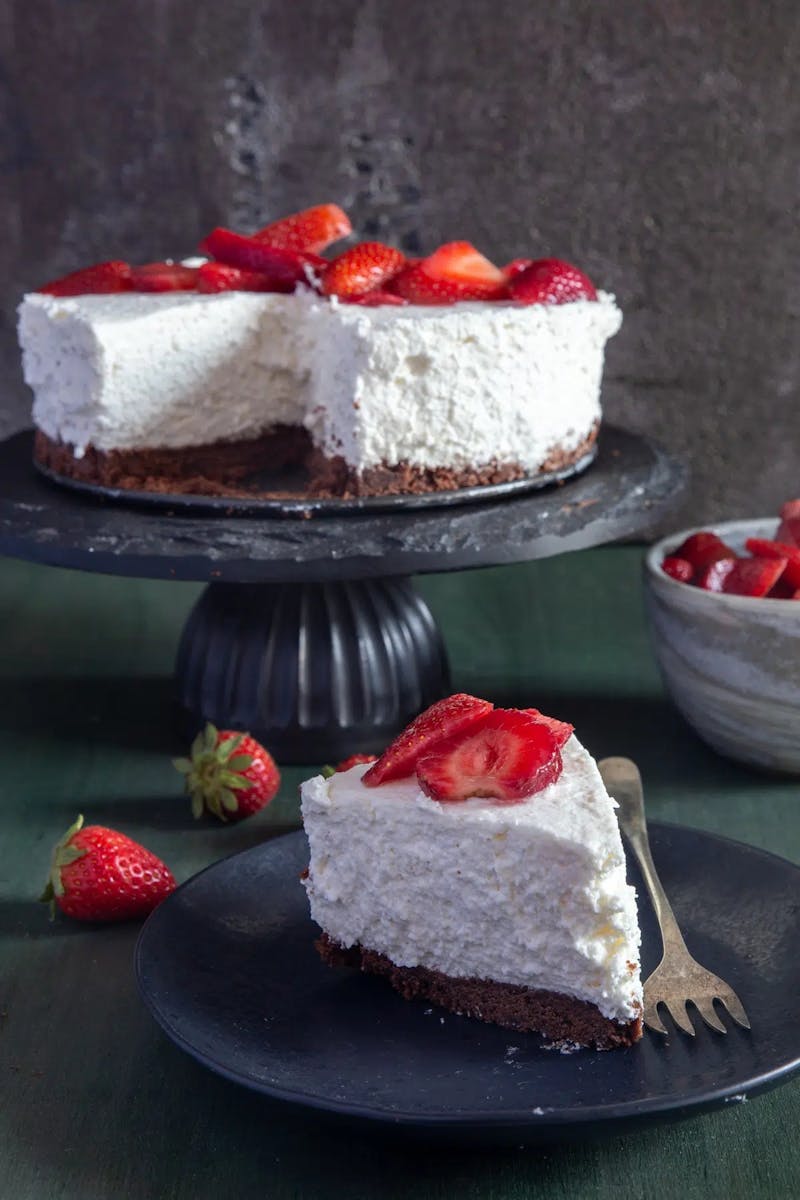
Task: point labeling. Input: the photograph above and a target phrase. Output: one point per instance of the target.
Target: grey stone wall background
(656, 144)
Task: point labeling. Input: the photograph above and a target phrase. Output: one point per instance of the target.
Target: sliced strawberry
(516, 267)
(104, 277)
(781, 590)
(216, 277)
(562, 731)
(415, 286)
(702, 549)
(509, 755)
(286, 268)
(354, 760)
(551, 281)
(311, 230)
(361, 269)
(456, 271)
(789, 528)
(742, 577)
(376, 299)
(164, 277)
(712, 578)
(677, 568)
(453, 715)
(761, 548)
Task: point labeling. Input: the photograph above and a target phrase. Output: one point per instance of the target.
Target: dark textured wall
(654, 143)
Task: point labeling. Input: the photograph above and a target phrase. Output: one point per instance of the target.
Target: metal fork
(678, 978)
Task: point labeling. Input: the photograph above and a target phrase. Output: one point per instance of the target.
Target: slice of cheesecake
(478, 865)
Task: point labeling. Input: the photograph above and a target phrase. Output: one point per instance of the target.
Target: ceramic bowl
(730, 663)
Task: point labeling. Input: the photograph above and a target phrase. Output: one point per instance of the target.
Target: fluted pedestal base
(317, 671)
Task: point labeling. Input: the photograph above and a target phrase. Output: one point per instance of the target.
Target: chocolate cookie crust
(527, 1010)
(233, 468)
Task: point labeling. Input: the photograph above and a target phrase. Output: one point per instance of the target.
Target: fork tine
(705, 1006)
(733, 1004)
(652, 1019)
(677, 1010)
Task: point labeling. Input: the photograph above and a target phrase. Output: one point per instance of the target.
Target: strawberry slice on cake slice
(455, 272)
(478, 865)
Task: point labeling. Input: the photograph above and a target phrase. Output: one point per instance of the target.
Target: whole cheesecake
(378, 374)
(482, 872)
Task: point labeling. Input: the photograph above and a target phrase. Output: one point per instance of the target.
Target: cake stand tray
(310, 633)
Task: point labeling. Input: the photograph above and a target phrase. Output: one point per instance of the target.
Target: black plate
(228, 968)
(291, 499)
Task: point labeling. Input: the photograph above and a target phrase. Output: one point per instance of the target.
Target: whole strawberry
(97, 874)
(355, 760)
(228, 774)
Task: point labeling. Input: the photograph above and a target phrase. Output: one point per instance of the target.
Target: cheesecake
(481, 869)
(374, 373)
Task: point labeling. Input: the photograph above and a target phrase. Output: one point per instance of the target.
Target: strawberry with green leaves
(228, 774)
(97, 874)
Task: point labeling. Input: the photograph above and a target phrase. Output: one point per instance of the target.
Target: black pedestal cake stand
(310, 633)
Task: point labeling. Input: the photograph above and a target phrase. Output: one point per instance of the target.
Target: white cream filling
(454, 386)
(531, 893)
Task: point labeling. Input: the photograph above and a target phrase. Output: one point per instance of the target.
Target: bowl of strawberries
(723, 605)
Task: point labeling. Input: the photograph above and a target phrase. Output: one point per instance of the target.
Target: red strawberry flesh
(454, 715)
(702, 549)
(551, 281)
(753, 576)
(164, 277)
(286, 268)
(354, 760)
(454, 272)
(376, 300)
(216, 277)
(508, 756)
(364, 268)
(311, 230)
(516, 267)
(762, 548)
(562, 731)
(677, 568)
(102, 278)
(712, 578)
(789, 528)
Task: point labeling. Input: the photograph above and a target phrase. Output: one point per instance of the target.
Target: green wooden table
(95, 1103)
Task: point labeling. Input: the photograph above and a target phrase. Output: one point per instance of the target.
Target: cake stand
(310, 633)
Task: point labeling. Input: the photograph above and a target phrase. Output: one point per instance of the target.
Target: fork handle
(624, 783)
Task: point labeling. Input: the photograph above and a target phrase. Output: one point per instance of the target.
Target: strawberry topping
(354, 760)
(376, 299)
(104, 277)
(164, 277)
(446, 718)
(509, 755)
(311, 230)
(286, 268)
(216, 277)
(362, 269)
(551, 281)
(562, 731)
(677, 568)
(516, 267)
(456, 271)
